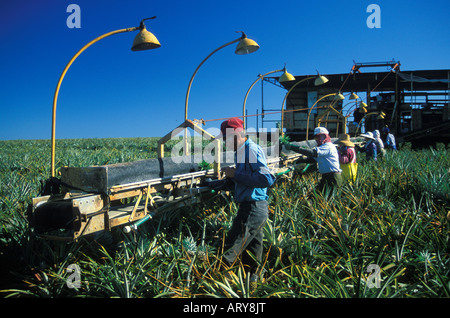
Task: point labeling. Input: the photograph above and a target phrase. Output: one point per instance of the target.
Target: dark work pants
(246, 234)
(331, 180)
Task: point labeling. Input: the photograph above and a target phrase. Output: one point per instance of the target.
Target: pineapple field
(384, 236)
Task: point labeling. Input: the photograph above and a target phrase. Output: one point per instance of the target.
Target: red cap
(235, 123)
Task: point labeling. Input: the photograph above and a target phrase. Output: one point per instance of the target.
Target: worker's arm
(260, 178)
(302, 151)
(254, 172)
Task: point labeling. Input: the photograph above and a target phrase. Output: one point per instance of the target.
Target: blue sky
(110, 91)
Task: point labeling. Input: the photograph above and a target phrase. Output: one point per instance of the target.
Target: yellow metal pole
(260, 77)
(160, 149)
(366, 115)
(189, 89)
(55, 98)
(196, 70)
(284, 100)
(218, 156)
(309, 112)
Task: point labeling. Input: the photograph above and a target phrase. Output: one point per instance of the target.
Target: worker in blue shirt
(389, 139)
(252, 177)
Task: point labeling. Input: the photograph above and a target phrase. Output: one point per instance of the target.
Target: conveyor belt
(100, 198)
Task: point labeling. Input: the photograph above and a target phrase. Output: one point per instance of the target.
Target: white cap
(367, 135)
(320, 130)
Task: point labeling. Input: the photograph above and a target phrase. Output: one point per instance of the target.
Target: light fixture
(145, 40)
(246, 45)
(319, 80)
(286, 77)
(353, 96)
(339, 96)
(380, 116)
(363, 107)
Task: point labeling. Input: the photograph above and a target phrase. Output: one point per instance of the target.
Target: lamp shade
(320, 80)
(362, 109)
(286, 77)
(381, 115)
(353, 96)
(145, 40)
(339, 96)
(246, 46)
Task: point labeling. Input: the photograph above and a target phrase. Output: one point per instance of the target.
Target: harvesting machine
(87, 200)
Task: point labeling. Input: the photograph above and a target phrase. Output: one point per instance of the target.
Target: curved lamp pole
(380, 116)
(362, 109)
(362, 106)
(245, 46)
(144, 40)
(338, 96)
(355, 107)
(319, 80)
(354, 97)
(283, 78)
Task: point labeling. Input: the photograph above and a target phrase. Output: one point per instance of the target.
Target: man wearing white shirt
(326, 156)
